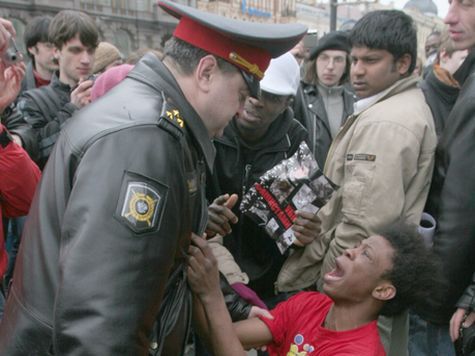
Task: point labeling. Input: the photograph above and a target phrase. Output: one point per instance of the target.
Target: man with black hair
(38, 73)
(41, 52)
(101, 267)
(260, 137)
(385, 274)
(75, 37)
(382, 157)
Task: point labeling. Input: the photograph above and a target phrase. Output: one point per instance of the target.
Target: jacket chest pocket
(359, 175)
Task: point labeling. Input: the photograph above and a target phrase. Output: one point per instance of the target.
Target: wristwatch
(5, 138)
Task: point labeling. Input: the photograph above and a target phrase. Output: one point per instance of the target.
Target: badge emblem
(141, 206)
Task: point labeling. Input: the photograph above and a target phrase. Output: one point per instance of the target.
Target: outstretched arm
(213, 319)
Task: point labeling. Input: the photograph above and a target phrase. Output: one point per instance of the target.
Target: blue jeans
(12, 242)
(427, 339)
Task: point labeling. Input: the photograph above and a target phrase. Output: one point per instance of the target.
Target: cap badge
(251, 68)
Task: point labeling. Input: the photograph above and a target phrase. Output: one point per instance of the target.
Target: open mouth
(335, 274)
(250, 115)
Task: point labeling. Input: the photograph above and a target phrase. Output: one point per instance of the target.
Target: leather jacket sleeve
(467, 301)
(455, 236)
(114, 263)
(238, 308)
(46, 125)
(15, 123)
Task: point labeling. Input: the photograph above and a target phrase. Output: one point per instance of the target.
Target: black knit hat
(333, 40)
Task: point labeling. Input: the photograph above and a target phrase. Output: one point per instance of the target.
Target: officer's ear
(205, 72)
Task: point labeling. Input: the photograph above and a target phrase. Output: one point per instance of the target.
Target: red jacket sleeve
(19, 176)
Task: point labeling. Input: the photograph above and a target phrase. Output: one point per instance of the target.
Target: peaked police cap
(247, 45)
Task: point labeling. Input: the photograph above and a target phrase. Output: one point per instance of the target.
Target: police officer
(102, 253)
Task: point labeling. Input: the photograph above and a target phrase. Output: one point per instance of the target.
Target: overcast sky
(442, 5)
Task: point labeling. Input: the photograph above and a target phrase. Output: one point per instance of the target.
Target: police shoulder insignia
(174, 116)
(140, 205)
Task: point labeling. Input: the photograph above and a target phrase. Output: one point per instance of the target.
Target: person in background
(451, 202)
(419, 67)
(46, 109)
(324, 102)
(101, 266)
(387, 273)
(440, 86)
(109, 79)
(19, 175)
(38, 73)
(257, 139)
(431, 48)
(40, 50)
(106, 56)
(382, 158)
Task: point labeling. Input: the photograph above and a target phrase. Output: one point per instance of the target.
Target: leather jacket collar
(151, 70)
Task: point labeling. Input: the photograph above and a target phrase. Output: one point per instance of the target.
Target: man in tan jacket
(382, 158)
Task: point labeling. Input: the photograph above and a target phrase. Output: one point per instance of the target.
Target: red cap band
(218, 44)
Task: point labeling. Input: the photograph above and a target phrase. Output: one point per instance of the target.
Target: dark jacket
(440, 97)
(452, 197)
(45, 110)
(467, 301)
(238, 166)
(310, 111)
(28, 81)
(110, 225)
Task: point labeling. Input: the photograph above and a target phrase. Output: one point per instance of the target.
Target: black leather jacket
(310, 111)
(110, 223)
(238, 166)
(452, 198)
(45, 111)
(467, 301)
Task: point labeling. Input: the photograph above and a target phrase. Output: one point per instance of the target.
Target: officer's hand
(456, 321)
(81, 95)
(306, 227)
(221, 216)
(202, 272)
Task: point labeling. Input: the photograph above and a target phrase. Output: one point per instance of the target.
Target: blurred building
(315, 14)
(270, 11)
(134, 24)
(129, 24)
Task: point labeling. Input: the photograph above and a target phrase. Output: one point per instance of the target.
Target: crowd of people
(123, 181)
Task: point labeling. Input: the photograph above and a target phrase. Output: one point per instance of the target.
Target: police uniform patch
(141, 203)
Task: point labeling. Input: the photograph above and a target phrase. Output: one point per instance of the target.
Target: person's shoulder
(305, 299)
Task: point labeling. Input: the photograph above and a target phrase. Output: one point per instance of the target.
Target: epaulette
(171, 120)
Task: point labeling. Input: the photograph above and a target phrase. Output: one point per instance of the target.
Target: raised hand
(221, 216)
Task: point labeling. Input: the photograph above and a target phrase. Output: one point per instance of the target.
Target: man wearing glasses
(324, 102)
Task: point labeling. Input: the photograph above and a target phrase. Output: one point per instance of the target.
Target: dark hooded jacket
(239, 165)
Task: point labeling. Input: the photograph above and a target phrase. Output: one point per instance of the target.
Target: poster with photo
(296, 183)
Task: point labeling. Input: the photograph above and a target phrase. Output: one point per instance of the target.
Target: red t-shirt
(297, 330)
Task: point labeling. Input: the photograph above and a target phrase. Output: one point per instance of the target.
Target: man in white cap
(104, 247)
(260, 137)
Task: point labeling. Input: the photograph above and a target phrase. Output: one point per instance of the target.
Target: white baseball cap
(282, 77)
